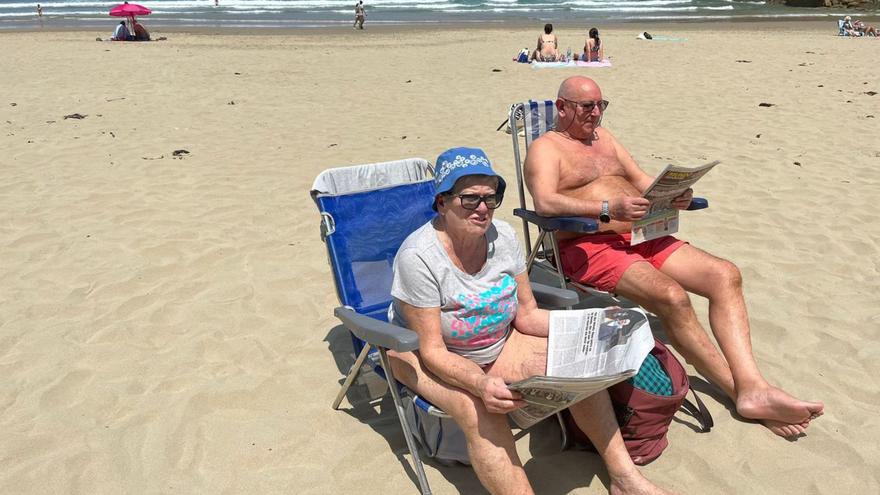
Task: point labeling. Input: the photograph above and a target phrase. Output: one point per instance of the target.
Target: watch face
(605, 218)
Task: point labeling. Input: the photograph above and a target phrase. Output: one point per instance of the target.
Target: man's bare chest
(578, 170)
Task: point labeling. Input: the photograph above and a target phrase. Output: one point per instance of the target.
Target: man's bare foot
(785, 430)
(780, 412)
(634, 484)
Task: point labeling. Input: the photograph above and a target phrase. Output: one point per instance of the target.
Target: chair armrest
(583, 225)
(554, 296)
(378, 333)
(698, 204)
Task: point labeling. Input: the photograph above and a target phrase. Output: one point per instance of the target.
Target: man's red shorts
(600, 260)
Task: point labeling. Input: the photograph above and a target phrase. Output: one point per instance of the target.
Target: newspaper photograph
(662, 217)
(588, 350)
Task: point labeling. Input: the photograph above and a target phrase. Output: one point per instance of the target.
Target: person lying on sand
(580, 169)
(864, 29)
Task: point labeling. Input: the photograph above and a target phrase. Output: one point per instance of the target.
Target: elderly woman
(460, 283)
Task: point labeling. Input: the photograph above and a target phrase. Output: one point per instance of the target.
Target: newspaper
(662, 217)
(588, 350)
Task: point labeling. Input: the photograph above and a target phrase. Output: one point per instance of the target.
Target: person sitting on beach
(121, 32)
(593, 49)
(460, 282)
(548, 50)
(140, 32)
(848, 27)
(580, 169)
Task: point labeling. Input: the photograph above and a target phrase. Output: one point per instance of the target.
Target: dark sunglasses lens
(470, 201)
(603, 105)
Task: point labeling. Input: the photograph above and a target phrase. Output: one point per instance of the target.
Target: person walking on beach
(580, 169)
(359, 15)
(40, 14)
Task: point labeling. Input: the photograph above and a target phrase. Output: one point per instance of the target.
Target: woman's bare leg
(490, 442)
(524, 356)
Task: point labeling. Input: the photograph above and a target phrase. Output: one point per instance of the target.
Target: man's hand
(497, 397)
(683, 200)
(628, 208)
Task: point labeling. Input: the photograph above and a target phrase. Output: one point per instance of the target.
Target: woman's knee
(468, 411)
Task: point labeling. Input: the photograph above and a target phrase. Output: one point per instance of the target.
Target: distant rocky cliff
(853, 4)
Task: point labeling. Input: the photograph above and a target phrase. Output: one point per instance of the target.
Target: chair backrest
(367, 211)
(539, 116)
(840, 30)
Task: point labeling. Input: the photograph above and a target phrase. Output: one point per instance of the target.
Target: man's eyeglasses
(588, 106)
(472, 201)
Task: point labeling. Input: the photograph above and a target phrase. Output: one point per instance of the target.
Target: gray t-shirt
(475, 310)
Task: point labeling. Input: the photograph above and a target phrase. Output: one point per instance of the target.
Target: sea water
(15, 14)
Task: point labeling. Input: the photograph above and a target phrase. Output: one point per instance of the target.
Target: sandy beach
(167, 325)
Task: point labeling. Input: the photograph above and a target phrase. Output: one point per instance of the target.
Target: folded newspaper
(588, 350)
(662, 217)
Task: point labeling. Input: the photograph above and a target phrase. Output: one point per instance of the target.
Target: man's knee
(726, 275)
(672, 297)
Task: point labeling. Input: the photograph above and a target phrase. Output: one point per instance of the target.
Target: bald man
(580, 169)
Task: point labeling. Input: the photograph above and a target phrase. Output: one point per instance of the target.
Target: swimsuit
(601, 259)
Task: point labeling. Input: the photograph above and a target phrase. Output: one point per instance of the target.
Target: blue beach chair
(366, 213)
(539, 116)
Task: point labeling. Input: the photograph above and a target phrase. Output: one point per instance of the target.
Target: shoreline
(733, 24)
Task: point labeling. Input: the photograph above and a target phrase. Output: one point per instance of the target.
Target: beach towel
(571, 64)
(601, 63)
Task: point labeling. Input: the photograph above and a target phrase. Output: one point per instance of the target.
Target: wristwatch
(605, 215)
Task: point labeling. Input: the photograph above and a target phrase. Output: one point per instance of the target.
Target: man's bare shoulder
(604, 134)
(544, 151)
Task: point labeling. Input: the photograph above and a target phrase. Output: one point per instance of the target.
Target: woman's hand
(497, 397)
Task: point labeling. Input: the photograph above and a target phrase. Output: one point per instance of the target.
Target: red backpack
(644, 417)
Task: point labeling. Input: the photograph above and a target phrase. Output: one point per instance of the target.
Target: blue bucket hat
(455, 163)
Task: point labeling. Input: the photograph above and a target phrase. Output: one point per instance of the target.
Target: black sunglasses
(472, 201)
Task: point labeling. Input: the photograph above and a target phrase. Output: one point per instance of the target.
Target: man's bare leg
(490, 442)
(525, 356)
(721, 283)
(736, 372)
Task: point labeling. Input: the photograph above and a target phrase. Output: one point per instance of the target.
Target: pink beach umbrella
(129, 10)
